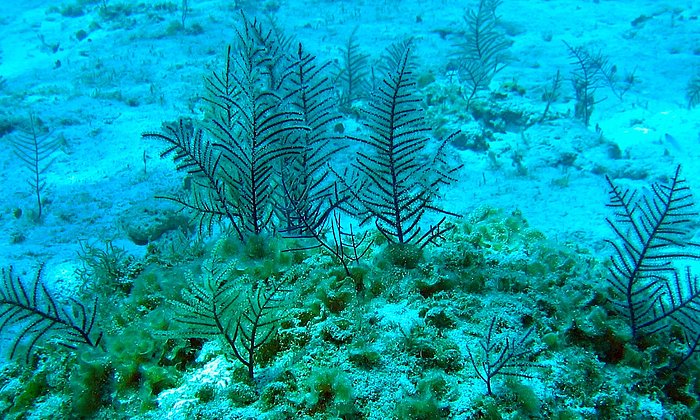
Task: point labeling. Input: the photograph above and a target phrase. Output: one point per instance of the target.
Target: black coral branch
(505, 357)
(482, 53)
(591, 71)
(258, 322)
(305, 176)
(353, 73)
(400, 183)
(234, 161)
(211, 198)
(587, 77)
(35, 314)
(207, 310)
(258, 137)
(34, 148)
(212, 310)
(651, 232)
(311, 194)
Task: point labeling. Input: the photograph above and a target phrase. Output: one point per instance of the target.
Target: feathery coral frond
(400, 183)
(36, 314)
(34, 148)
(651, 232)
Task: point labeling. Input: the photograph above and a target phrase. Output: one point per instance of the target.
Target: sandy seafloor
(131, 73)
